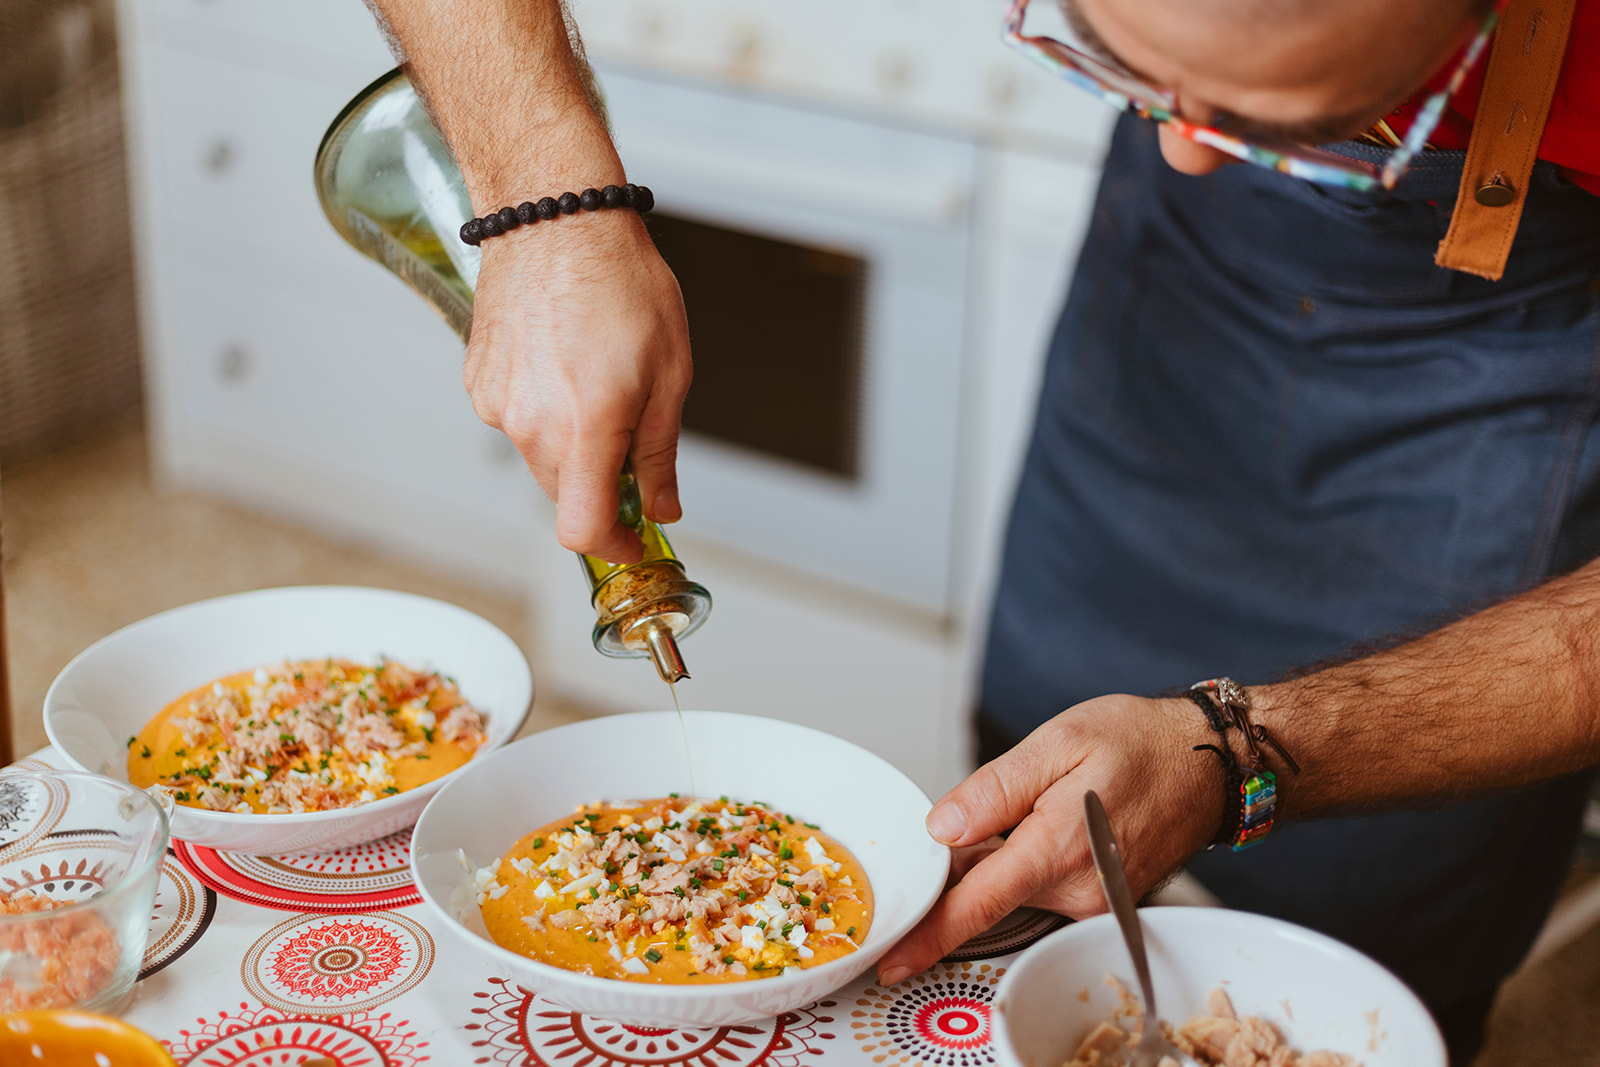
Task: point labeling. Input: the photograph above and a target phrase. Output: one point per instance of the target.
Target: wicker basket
(69, 357)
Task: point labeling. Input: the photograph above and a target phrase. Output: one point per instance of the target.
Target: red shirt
(1571, 134)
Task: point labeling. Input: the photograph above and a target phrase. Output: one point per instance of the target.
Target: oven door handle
(924, 200)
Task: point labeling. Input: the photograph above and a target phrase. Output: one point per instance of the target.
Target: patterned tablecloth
(268, 961)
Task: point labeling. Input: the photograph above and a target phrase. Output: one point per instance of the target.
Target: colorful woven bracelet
(1252, 790)
(638, 197)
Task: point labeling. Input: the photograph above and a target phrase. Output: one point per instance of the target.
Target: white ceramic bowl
(1340, 1000)
(110, 691)
(870, 807)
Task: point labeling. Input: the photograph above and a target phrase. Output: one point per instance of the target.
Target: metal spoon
(1153, 1044)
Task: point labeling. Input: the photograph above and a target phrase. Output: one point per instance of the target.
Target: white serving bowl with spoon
(1318, 992)
(865, 803)
(114, 687)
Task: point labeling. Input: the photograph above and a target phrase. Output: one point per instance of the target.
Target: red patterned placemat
(370, 877)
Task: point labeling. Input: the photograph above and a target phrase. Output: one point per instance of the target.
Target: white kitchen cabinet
(285, 371)
(289, 374)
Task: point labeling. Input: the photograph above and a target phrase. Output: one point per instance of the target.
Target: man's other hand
(1165, 802)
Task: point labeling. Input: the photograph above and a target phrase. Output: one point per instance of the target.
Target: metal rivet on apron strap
(1495, 192)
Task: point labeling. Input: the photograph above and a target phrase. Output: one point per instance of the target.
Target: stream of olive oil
(687, 758)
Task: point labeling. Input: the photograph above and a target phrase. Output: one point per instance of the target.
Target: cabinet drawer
(228, 154)
(373, 396)
(297, 36)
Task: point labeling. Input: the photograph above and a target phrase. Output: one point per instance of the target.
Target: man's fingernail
(946, 824)
(667, 508)
(891, 975)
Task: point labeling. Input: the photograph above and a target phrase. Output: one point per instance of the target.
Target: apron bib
(1270, 429)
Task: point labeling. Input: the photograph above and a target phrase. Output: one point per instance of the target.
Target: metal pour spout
(664, 652)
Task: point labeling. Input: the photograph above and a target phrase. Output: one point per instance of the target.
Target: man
(1271, 427)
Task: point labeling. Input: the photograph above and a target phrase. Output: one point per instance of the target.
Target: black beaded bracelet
(638, 197)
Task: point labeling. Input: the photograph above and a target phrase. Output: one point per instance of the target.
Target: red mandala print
(953, 1022)
(262, 1037)
(355, 879)
(334, 964)
(522, 1029)
(939, 1018)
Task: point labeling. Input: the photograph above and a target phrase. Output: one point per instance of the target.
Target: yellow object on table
(76, 1039)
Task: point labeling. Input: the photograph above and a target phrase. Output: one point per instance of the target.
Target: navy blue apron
(1271, 429)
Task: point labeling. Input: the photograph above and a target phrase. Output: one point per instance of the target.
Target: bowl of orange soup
(584, 863)
(303, 718)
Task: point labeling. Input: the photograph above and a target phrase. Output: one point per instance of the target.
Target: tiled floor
(91, 547)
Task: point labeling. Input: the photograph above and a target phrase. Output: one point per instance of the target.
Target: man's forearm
(1499, 699)
(510, 96)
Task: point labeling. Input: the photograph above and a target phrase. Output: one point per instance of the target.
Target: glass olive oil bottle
(391, 188)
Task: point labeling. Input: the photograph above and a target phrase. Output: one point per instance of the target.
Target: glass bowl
(80, 856)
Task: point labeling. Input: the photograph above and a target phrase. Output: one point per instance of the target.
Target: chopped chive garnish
(804, 900)
(674, 796)
(695, 883)
(723, 799)
(593, 938)
(785, 881)
(743, 895)
(811, 826)
(144, 751)
(730, 853)
(850, 932)
(677, 890)
(826, 907)
(788, 819)
(786, 928)
(728, 960)
(538, 842)
(716, 865)
(760, 965)
(594, 894)
(762, 923)
(653, 956)
(786, 853)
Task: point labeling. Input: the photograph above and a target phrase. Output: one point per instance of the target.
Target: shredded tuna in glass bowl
(80, 857)
(424, 657)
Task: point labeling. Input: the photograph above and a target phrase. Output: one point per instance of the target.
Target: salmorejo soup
(675, 890)
(309, 735)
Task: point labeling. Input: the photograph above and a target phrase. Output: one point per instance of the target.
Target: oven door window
(777, 333)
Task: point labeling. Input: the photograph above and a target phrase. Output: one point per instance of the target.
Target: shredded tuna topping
(1221, 1038)
(309, 735)
(55, 961)
(746, 889)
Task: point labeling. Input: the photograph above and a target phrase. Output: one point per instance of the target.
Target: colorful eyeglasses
(1126, 93)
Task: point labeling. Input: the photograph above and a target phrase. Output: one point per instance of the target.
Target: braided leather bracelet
(638, 197)
(1251, 789)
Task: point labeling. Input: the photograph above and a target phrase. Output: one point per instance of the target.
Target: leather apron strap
(1524, 66)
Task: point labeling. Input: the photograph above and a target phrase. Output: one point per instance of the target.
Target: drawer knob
(220, 157)
(234, 364)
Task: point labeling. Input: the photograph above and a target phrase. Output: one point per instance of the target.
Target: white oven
(824, 266)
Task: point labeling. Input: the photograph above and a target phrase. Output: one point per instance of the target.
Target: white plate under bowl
(1318, 992)
(111, 690)
(865, 803)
